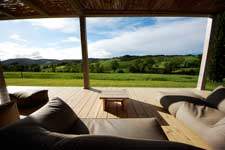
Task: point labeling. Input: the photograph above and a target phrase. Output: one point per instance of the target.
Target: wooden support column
(84, 48)
(4, 96)
(205, 57)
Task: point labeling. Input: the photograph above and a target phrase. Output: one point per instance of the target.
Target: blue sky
(107, 37)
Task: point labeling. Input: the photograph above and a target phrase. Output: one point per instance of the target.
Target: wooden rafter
(76, 6)
(35, 7)
(6, 14)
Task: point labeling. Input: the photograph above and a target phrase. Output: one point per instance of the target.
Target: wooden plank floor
(142, 104)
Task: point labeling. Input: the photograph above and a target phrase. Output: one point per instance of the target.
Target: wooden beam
(39, 17)
(205, 57)
(84, 47)
(141, 13)
(35, 7)
(76, 6)
(6, 14)
(115, 14)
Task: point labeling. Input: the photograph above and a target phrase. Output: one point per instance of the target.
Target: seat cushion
(144, 128)
(55, 116)
(172, 101)
(217, 98)
(30, 98)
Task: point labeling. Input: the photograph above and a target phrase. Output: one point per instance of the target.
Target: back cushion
(30, 98)
(55, 116)
(217, 98)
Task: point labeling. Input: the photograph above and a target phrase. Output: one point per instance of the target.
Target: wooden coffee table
(114, 96)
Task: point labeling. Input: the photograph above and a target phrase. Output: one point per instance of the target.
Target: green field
(103, 80)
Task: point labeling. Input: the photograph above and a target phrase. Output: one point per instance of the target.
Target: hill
(27, 61)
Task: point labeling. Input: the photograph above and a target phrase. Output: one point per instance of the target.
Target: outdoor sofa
(206, 116)
(56, 127)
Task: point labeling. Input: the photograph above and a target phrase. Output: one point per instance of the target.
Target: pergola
(30, 9)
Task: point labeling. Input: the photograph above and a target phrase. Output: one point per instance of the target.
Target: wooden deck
(142, 104)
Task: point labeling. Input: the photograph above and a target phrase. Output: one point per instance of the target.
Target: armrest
(115, 143)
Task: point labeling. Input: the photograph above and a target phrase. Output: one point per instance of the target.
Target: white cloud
(14, 50)
(64, 25)
(17, 37)
(33, 55)
(178, 37)
(99, 53)
(71, 39)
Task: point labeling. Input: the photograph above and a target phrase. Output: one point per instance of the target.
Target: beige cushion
(141, 128)
(217, 98)
(208, 122)
(8, 113)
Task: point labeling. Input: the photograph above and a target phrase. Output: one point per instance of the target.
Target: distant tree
(120, 71)
(92, 68)
(172, 64)
(99, 68)
(53, 68)
(138, 66)
(75, 68)
(132, 69)
(148, 64)
(128, 58)
(192, 62)
(35, 68)
(114, 65)
(168, 67)
(20, 68)
(216, 68)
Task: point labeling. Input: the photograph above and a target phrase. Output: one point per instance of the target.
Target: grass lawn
(104, 80)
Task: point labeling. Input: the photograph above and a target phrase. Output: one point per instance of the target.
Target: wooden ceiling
(24, 9)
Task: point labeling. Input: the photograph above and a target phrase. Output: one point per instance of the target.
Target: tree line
(126, 64)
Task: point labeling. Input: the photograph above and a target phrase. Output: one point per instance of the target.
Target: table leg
(104, 104)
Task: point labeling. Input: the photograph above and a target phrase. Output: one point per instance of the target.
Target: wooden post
(84, 49)
(4, 96)
(205, 57)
